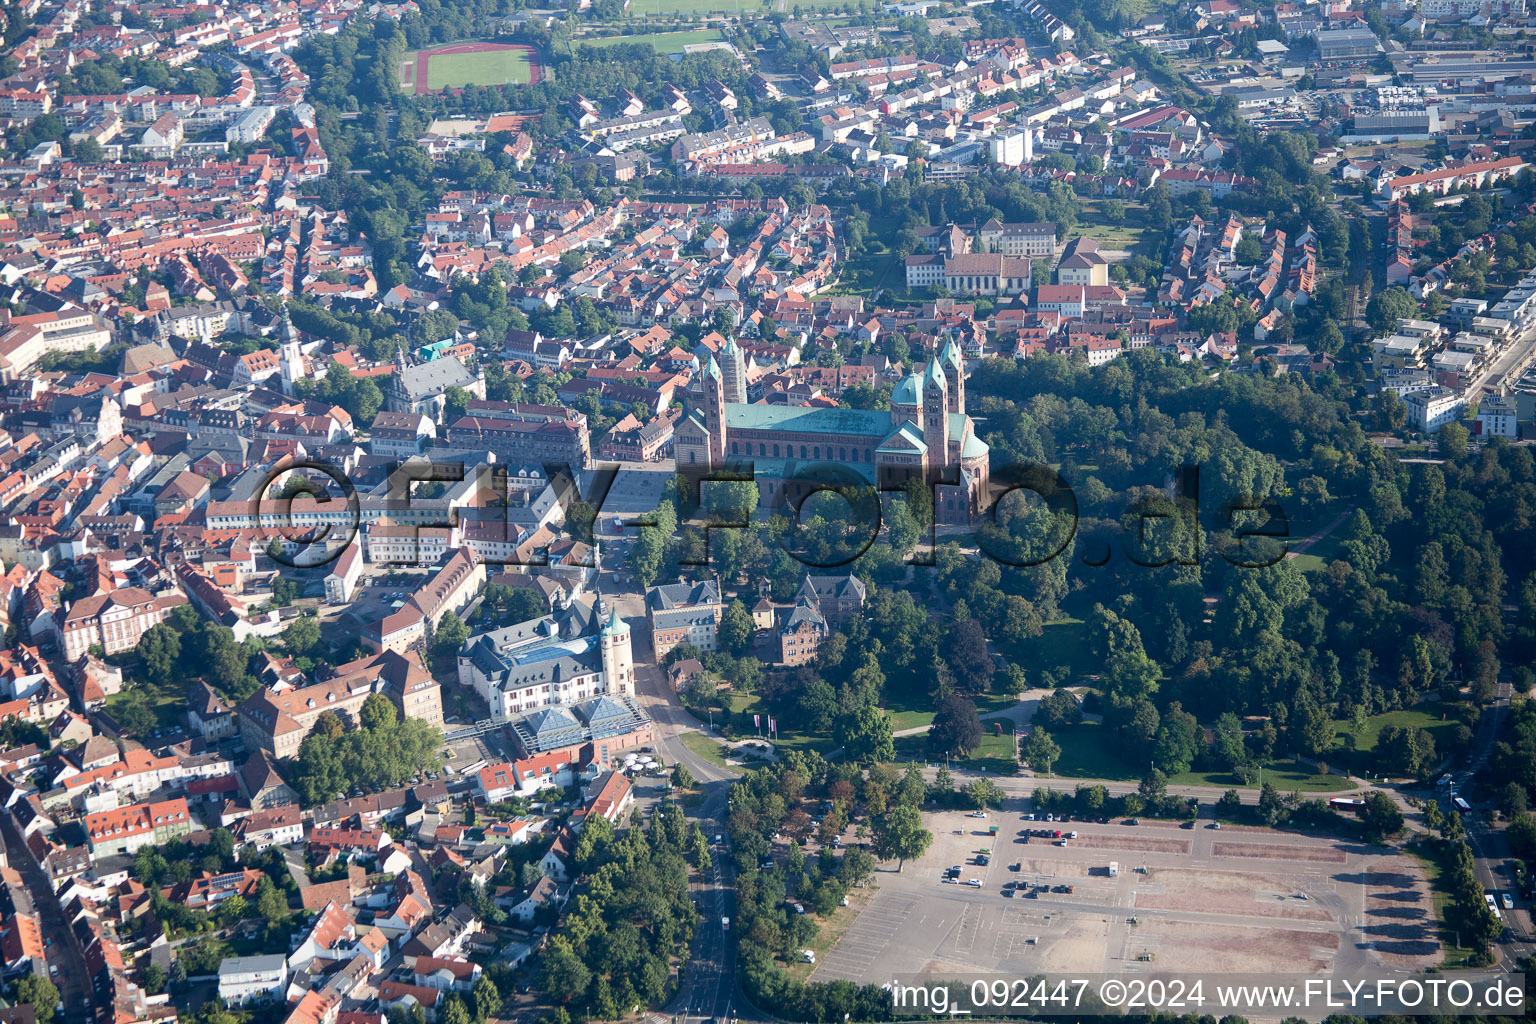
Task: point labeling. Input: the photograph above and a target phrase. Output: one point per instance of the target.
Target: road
(63, 948)
(1510, 363)
(707, 987)
(1490, 847)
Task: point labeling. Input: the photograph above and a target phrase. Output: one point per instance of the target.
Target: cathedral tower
(954, 369)
(733, 371)
(714, 413)
(936, 414)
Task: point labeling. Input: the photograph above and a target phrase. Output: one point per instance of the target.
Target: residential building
(250, 979)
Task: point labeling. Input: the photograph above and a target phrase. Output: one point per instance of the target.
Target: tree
(487, 998)
(984, 793)
(159, 651)
(1230, 804)
(1389, 306)
(899, 835)
(133, 713)
(682, 778)
(453, 1011)
(968, 658)
(1452, 440)
(232, 909)
(1271, 805)
(270, 903)
(451, 634)
(1059, 709)
(956, 728)
(865, 735)
(41, 994)
(564, 976)
(378, 712)
(1041, 751)
(736, 628)
(1153, 785)
(1383, 819)
(302, 635)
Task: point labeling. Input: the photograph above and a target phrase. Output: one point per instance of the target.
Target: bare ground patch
(1221, 892)
(1214, 949)
(1141, 844)
(1400, 923)
(1270, 851)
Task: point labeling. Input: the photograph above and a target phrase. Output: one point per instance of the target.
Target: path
(1303, 546)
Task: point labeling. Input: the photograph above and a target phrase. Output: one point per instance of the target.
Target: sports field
(657, 8)
(449, 67)
(661, 42)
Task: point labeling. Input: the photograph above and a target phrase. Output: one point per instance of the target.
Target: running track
(535, 67)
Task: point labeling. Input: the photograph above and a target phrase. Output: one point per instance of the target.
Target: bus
(1462, 807)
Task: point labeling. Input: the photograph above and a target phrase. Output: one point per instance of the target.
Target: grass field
(995, 756)
(1111, 236)
(1089, 751)
(1062, 644)
(167, 702)
(1431, 856)
(451, 70)
(670, 8)
(916, 715)
(706, 747)
(1439, 720)
(661, 42)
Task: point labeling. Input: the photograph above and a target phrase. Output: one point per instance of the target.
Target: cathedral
(926, 434)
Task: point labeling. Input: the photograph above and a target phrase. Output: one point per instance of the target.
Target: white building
(246, 979)
(250, 126)
(1497, 416)
(569, 656)
(342, 579)
(1433, 408)
(1013, 148)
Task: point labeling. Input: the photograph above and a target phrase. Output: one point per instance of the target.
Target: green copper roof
(974, 446)
(614, 625)
(952, 355)
(908, 433)
(908, 391)
(934, 374)
(868, 423)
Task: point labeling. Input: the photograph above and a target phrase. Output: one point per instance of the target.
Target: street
(63, 948)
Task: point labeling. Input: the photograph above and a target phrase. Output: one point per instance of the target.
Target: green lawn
(995, 755)
(912, 714)
(667, 8)
(1125, 236)
(860, 274)
(1062, 643)
(496, 67)
(1310, 562)
(168, 703)
(743, 706)
(661, 42)
(1090, 751)
(706, 747)
(1429, 856)
(1439, 720)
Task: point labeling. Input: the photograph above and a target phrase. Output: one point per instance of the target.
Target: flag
(773, 727)
(757, 722)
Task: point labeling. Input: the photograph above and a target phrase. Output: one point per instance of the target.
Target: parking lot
(1195, 899)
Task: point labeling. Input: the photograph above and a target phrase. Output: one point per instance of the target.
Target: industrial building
(1347, 43)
